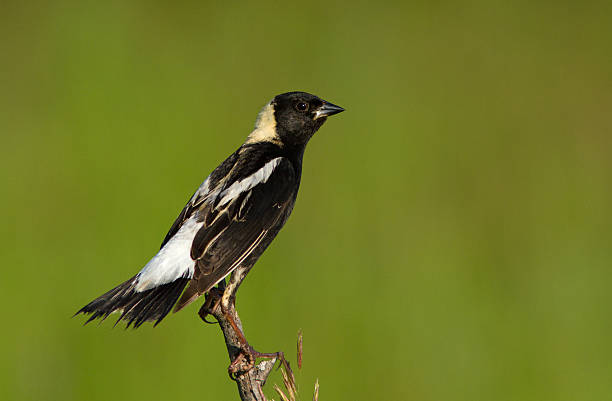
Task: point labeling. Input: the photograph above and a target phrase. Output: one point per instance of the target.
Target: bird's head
(292, 118)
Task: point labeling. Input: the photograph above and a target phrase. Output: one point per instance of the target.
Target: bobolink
(229, 221)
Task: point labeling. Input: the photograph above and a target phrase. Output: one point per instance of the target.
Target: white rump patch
(173, 261)
(265, 127)
(258, 177)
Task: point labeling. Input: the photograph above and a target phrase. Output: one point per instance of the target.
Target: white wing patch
(258, 177)
(173, 261)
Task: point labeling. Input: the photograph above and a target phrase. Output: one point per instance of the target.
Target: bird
(228, 222)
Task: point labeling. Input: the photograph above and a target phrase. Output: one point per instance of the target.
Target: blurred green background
(452, 237)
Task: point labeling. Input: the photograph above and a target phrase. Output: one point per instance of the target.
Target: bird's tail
(136, 307)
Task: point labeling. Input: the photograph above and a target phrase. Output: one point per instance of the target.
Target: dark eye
(301, 106)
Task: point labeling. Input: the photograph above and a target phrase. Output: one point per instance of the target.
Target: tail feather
(136, 307)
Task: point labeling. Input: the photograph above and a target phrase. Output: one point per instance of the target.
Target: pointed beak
(328, 109)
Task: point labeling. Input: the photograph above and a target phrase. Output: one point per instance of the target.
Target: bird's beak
(328, 109)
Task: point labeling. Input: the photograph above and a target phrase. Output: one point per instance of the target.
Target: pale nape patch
(265, 127)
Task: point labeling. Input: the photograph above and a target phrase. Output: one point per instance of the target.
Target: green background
(452, 236)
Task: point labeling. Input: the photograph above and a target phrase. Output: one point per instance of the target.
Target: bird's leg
(247, 355)
(221, 304)
(244, 359)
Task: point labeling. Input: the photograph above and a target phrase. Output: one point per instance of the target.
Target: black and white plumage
(231, 218)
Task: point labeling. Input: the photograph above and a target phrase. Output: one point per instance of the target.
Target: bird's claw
(213, 299)
(246, 358)
(243, 363)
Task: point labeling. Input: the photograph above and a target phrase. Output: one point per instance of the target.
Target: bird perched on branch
(229, 221)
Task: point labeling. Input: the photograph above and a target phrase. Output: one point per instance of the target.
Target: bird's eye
(301, 106)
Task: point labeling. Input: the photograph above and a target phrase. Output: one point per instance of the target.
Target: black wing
(201, 194)
(238, 232)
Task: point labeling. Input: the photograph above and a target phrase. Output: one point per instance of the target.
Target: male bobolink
(229, 221)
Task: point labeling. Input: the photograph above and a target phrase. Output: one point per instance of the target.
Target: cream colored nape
(265, 127)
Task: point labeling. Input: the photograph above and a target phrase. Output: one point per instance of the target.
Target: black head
(298, 115)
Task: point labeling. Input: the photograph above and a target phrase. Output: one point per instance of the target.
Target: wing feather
(241, 229)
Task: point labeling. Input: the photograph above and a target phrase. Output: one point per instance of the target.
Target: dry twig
(249, 379)
(249, 376)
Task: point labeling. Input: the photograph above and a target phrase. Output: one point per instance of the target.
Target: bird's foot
(212, 302)
(246, 358)
(243, 363)
(280, 356)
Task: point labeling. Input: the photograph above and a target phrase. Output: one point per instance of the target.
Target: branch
(249, 380)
